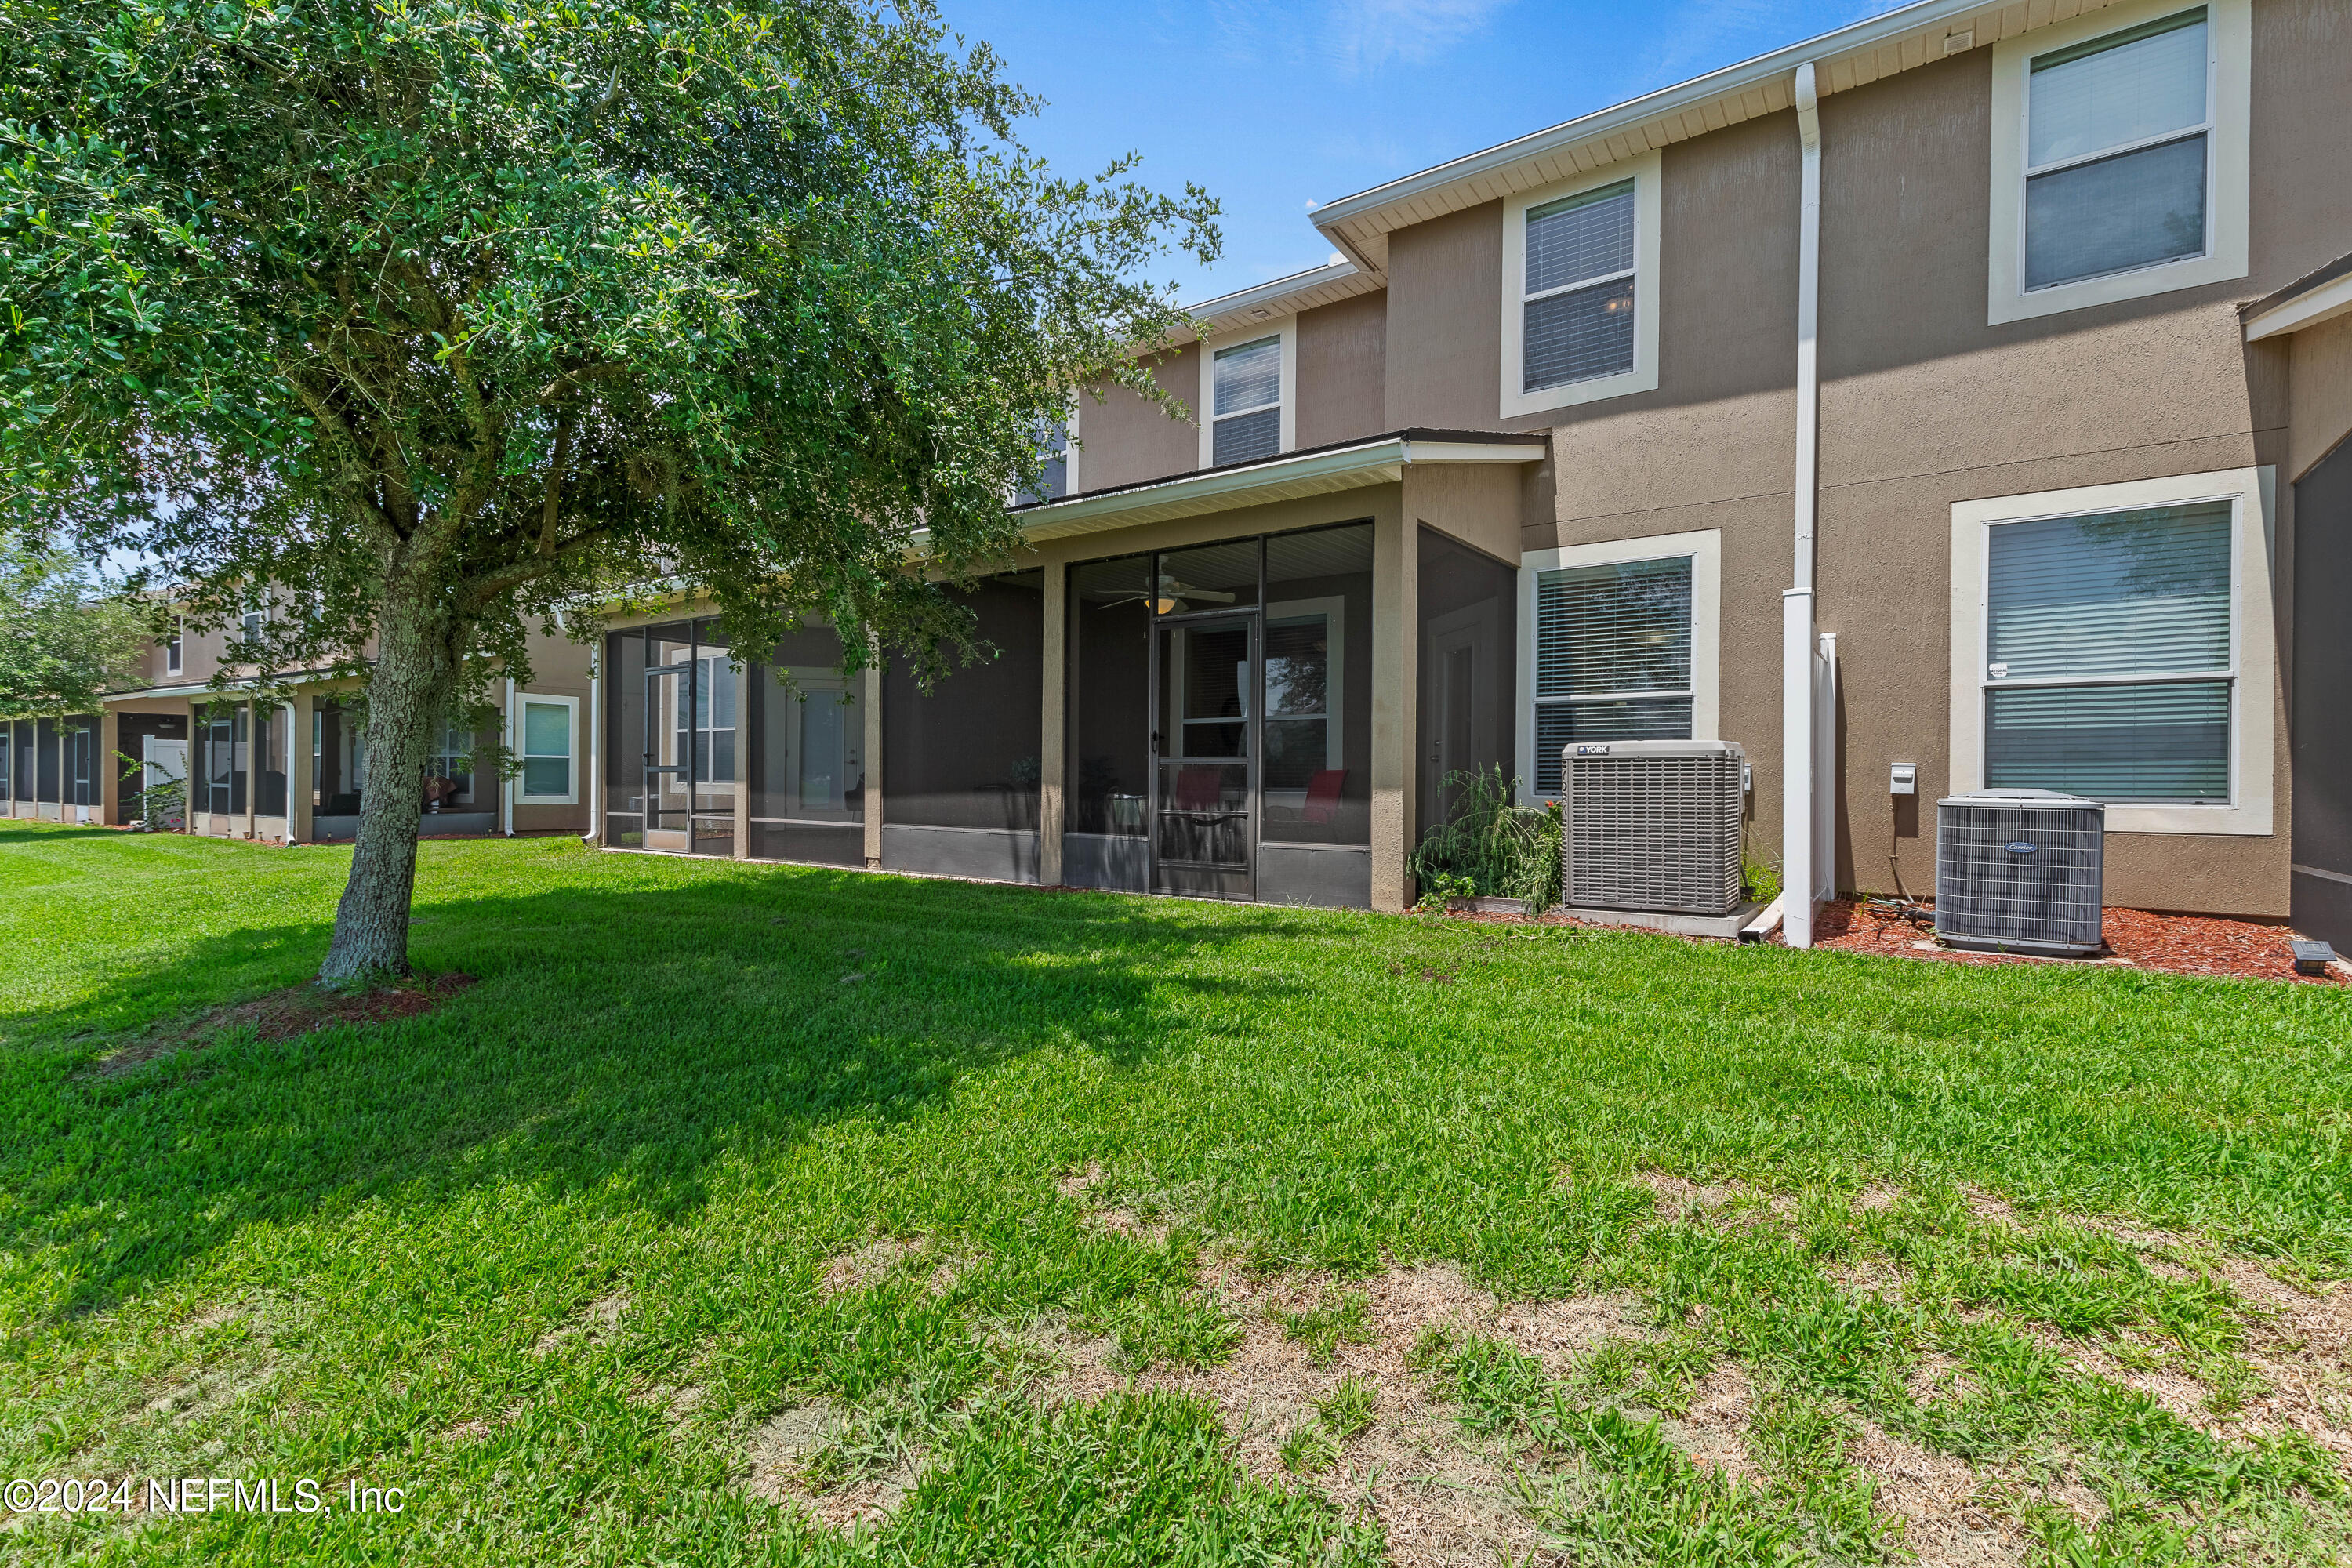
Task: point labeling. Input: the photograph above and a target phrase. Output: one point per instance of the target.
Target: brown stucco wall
(1342, 387)
(1444, 321)
(1125, 439)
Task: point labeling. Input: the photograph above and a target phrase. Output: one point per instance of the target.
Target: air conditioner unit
(1652, 825)
(2021, 870)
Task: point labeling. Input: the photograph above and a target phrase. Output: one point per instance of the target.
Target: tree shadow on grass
(619, 1043)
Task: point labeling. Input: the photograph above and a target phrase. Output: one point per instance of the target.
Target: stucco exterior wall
(1342, 355)
(1125, 439)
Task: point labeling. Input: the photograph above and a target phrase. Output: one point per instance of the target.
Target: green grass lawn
(734, 1202)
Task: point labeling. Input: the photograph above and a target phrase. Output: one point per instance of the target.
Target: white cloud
(1361, 36)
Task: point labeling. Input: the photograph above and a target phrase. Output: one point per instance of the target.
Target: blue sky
(1279, 104)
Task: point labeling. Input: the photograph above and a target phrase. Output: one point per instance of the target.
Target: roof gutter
(1699, 91)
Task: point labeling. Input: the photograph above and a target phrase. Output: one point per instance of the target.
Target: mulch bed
(2142, 939)
(294, 1010)
(2138, 939)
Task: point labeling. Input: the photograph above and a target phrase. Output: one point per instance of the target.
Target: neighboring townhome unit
(280, 756)
(1960, 391)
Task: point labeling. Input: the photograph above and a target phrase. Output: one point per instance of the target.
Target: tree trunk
(415, 671)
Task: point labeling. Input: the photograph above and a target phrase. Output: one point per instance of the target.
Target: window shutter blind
(2105, 600)
(1585, 236)
(2120, 593)
(2142, 206)
(1249, 375)
(1613, 628)
(1585, 332)
(2124, 87)
(1605, 637)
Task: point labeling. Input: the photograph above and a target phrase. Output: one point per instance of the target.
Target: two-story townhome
(1962, 390)
(283, 760)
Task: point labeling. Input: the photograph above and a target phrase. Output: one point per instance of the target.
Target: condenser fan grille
(1653, 825)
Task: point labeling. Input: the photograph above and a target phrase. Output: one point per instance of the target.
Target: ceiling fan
(1171, 595)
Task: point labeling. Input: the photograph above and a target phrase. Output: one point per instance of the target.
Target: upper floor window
(171, 648)
(1579, 285)
(1247, 413)
(2118, 144)
(1581, 288)
(1054, 447)
(2120, 156)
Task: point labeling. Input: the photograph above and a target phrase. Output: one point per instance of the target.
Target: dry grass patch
(1940, 1501)
(864, 1266)
(596, 1324)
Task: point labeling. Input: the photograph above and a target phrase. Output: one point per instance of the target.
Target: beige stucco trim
(1705, 548)
(1283, 327)
(1396, 663)
(2230, 43)
(2253, 652)
(1645, 170)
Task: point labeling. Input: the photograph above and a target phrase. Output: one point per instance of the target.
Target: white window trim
(1705, 550)
(1070, 485)
(1643, 170)
(523, 700)
(175, 647)
(1284, 327)
(2229, 35)
(2253, 656)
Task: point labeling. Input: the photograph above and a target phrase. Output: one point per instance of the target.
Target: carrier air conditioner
(1652, 826)
(2021, 870)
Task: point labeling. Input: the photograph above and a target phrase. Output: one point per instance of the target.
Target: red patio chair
(1323, 796)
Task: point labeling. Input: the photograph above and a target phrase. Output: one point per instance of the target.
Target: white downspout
(1798, 743)
(595, 794)
(507, 785)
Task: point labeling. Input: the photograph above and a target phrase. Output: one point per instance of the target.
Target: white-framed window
(1581, 288)
(1618, 641)
(1245, 393)
(2113, 642)
(175, 646)
(2120, 156)
(547, 726)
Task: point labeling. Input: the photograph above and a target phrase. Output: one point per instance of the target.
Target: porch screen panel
(2108, 654)
(966, 753)
(45, 740)
(713, 718)
(1612, 658)
(1110, 701)
(269, 761)
(625, 739)
(805, 752)
(1466, 684)
(1317, 774)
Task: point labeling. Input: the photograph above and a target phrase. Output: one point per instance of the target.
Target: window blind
(1246, 402)
(1613, 656)
(1580, 304)
(2086, 617)
(2124, 87)
(1249, 376)
(2138, 96)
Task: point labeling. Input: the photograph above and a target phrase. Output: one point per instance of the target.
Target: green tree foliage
(64, 638)
(435, 316)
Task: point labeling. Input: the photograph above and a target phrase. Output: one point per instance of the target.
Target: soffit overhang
(1290, 477)
(1918, 34)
